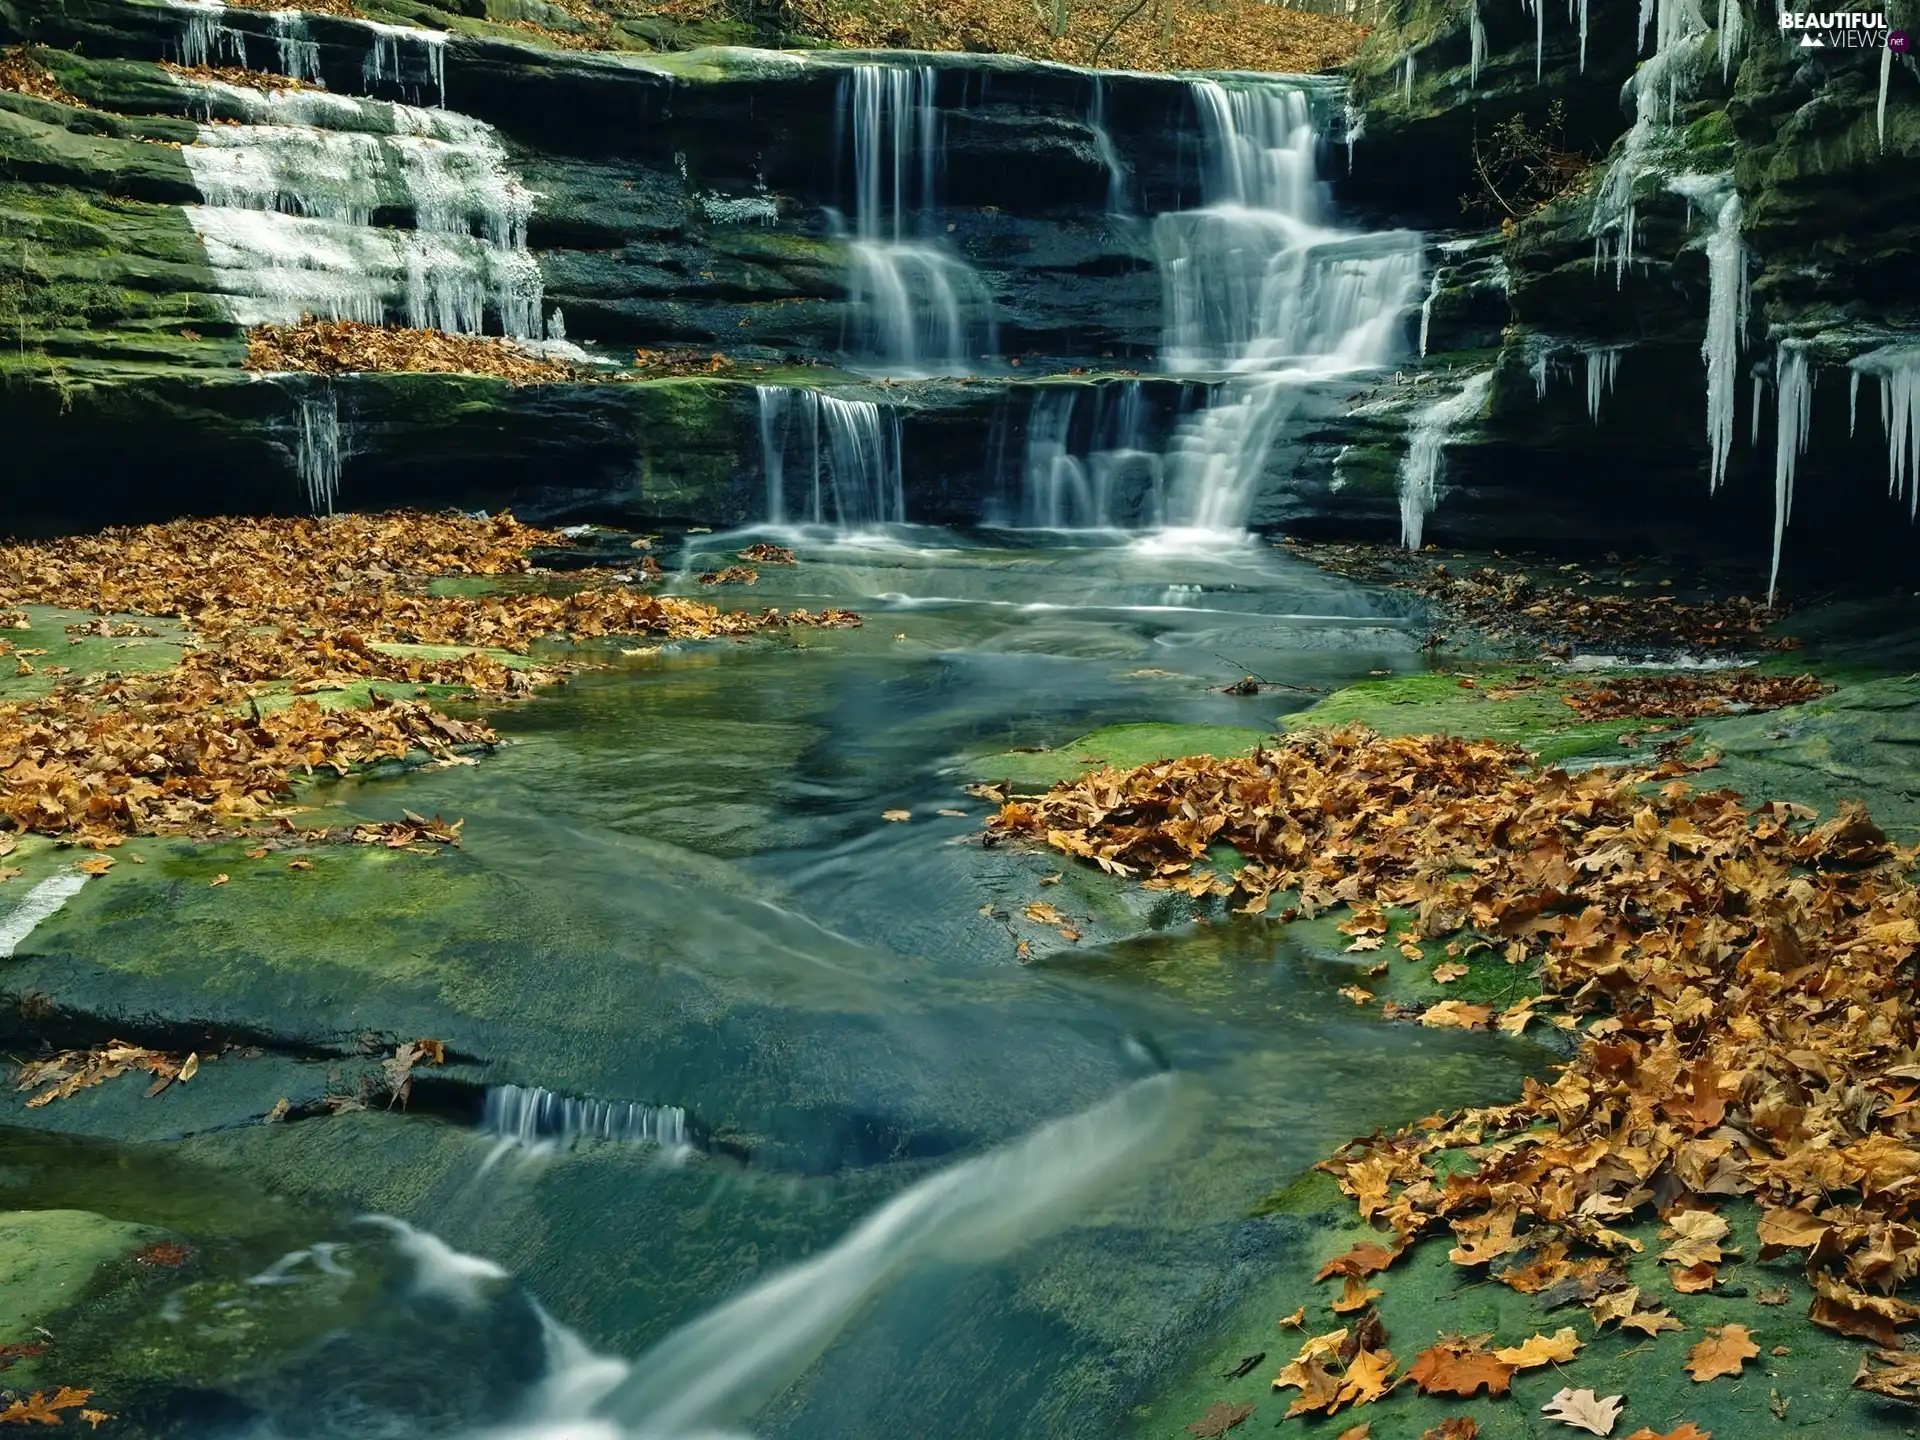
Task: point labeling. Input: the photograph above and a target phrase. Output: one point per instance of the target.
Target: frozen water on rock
(317, 451)
(1898, 370)
(1727, 306)
(1420, 470)
(1793, 386)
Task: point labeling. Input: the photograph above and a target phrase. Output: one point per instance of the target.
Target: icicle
(1539, 372)
(1793, 384)
(1880, 109)
(1728, 298)
(1898, 371)
(1646, 19)
(1759, 390)
(1731, 28)
(317, 451)
(1406, 78)
(1420, 470)
(1583, 36)
(1426, 308)
(1853, 403)
(1539, 36)
(1602, 366)
(1477, 39)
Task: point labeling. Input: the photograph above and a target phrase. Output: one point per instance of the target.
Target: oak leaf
(1584, 1410)
(1723, 1352)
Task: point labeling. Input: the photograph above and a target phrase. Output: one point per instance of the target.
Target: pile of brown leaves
(234, 75)
(21, 73)
(680, 362)
(337, 347)
(766, 554)
(72, 1071)
(1509, 604)
(315, 7)
(732, 575)
(1685, 697)
(1747, 977)
(303, 603)
(1156, 35)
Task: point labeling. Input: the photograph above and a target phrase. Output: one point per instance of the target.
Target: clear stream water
(677, 891)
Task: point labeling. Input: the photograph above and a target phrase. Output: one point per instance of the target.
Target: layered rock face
(1040, 240)
(1723, 274)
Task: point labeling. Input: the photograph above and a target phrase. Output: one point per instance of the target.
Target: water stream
(784, 1135)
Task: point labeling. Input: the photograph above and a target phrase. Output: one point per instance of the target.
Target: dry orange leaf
(1461, 1427)
(1555, 1349)
(219, 879)
(1359, 1262)
(1457, 1014)
(95, 865)
(896, 816)
(1723, 1352)
(1687, 1431)
(1294, 1321)
(1459, 1369)
(1447, 973)
(1355, 1295)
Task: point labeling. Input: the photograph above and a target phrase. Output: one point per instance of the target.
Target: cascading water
(917, 307)
(1258, 286)
(291, 201)
(829, 460)
(1086, 463)
(531, 1118)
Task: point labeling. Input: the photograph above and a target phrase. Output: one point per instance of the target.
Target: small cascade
(1420, 469)
(1727, 305)
(917, 306)
(1603, 366)
(406, 57)
(839, 458)
(1898, 371)
(317, 451)
(1118, 202)
(1088, 462)
(291, 202)
(299, 53)
(1407, 67)
(1426, 307)
(1793, 388)
(530, 1117)
(1257, 285)
(716, 1373)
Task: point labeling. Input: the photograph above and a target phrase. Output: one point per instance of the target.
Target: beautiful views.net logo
(1845, 30)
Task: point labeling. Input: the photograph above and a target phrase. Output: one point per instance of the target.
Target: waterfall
(1256, 284)
(1793, 385)
(1477, 41)
(1117, 187)
(1088, 461)
(1603, 366)
(841, 456)
(1426, 307)
(1727, 304)
(291, 200)
(530, 1117)
(917, 307)
(722, 1368)
(1898, 371)
(317, 451)
(1420, 470)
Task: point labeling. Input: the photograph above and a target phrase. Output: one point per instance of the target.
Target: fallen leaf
(1462, 1427)
(1773, 1297)
(95, 1417)
(1687, 1431)
(1456, 1014)
(1295, 1321)
(220, 879)
(1053, 879)
(1355, 1296)
(95, 865)
(1356, 994)
(1042, 914)
(1555, 1349)
(896, 816)
(1584, 1410)
(1449, 972)
(189, 1067)
(40, 1408)
(1361, 1261)
(1459, 1369)
(1723, 1352)
(1694, 1280)
(1219, 1419)
(1362, 1431)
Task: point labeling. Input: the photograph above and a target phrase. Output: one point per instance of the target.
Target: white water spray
(918, 308)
